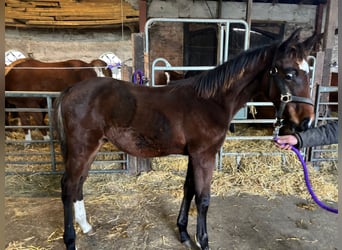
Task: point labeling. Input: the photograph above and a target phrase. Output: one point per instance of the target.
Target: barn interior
(259, 197)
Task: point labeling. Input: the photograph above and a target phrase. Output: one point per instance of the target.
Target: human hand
(286, 141)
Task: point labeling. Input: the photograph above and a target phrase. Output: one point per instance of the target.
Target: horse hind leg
(80, 212)
(69, 188)
(79, 207)
(72, 187)
(71, 184)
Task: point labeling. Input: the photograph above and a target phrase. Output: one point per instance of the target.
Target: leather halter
(285, 96)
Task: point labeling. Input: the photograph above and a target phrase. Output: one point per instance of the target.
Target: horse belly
(141, 145)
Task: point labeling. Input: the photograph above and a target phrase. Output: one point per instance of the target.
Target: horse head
(290, 82)
(101, 67)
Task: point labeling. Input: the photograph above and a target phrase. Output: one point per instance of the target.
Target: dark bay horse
(190, 117)
(28, 74)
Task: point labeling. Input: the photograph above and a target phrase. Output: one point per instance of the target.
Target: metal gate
(324, 115)
(224, 27)
(43, 156)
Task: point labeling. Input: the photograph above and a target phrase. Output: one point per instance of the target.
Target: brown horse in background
(189, 117)
(28, 74)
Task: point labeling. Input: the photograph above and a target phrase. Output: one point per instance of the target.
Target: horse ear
(293, 39)
(312, 42)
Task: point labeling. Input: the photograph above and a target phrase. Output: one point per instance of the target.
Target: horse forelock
(225, 75)
(297, 51)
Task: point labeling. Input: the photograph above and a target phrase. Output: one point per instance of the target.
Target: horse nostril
(305, 124)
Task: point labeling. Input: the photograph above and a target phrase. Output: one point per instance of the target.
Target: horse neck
(253, 80)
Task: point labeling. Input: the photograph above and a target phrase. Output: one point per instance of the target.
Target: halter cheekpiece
(285, 96)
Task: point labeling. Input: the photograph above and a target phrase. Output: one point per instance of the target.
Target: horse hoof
(187, 244)
(199, 245)
(91, 232)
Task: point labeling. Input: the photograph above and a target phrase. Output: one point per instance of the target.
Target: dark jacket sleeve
(322, 135)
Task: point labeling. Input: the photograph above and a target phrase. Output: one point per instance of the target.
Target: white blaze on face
(303, 65)
(99, 72)
(80, 216)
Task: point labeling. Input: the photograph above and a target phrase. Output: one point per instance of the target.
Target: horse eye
(290, 75)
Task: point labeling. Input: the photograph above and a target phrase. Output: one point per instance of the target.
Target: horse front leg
(26, 121)
(203, 176)
(189, 191)
(202, 204)
(38, 119)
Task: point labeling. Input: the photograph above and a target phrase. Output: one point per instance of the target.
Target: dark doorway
(201, 40)
(200, 45)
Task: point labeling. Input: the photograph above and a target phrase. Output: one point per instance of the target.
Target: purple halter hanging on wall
(139, 73)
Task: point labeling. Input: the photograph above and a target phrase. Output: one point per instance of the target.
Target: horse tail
(59, 123)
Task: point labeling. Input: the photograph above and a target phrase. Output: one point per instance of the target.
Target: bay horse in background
(166, 76)
(28, 74)
(189, 117)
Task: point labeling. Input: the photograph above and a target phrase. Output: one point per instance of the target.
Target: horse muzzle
(305, 124)
(290, 127)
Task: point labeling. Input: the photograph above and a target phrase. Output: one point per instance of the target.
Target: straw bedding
(262, 175)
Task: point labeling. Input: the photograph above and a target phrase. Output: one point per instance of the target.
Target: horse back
(34, 75)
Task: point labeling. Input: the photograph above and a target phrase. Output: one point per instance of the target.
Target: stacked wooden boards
(69, 13)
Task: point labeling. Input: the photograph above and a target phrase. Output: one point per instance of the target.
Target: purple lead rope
(307, 181)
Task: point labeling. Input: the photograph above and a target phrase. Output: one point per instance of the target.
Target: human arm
(318, 136)
(323, 135)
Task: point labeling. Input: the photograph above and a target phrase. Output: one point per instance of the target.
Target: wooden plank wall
(69, 13)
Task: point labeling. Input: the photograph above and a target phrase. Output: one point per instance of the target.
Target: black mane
(222, 77)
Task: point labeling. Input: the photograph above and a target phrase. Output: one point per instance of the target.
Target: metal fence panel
(43, 156)
(323, 115)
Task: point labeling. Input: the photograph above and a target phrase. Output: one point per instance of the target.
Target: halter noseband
(285, 96)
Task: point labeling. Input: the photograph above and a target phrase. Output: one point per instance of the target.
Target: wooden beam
(69, 13)
(142, 15)
(138, 51)
(330, 23)
(300, 13)
(74, 22)
(328, 41)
